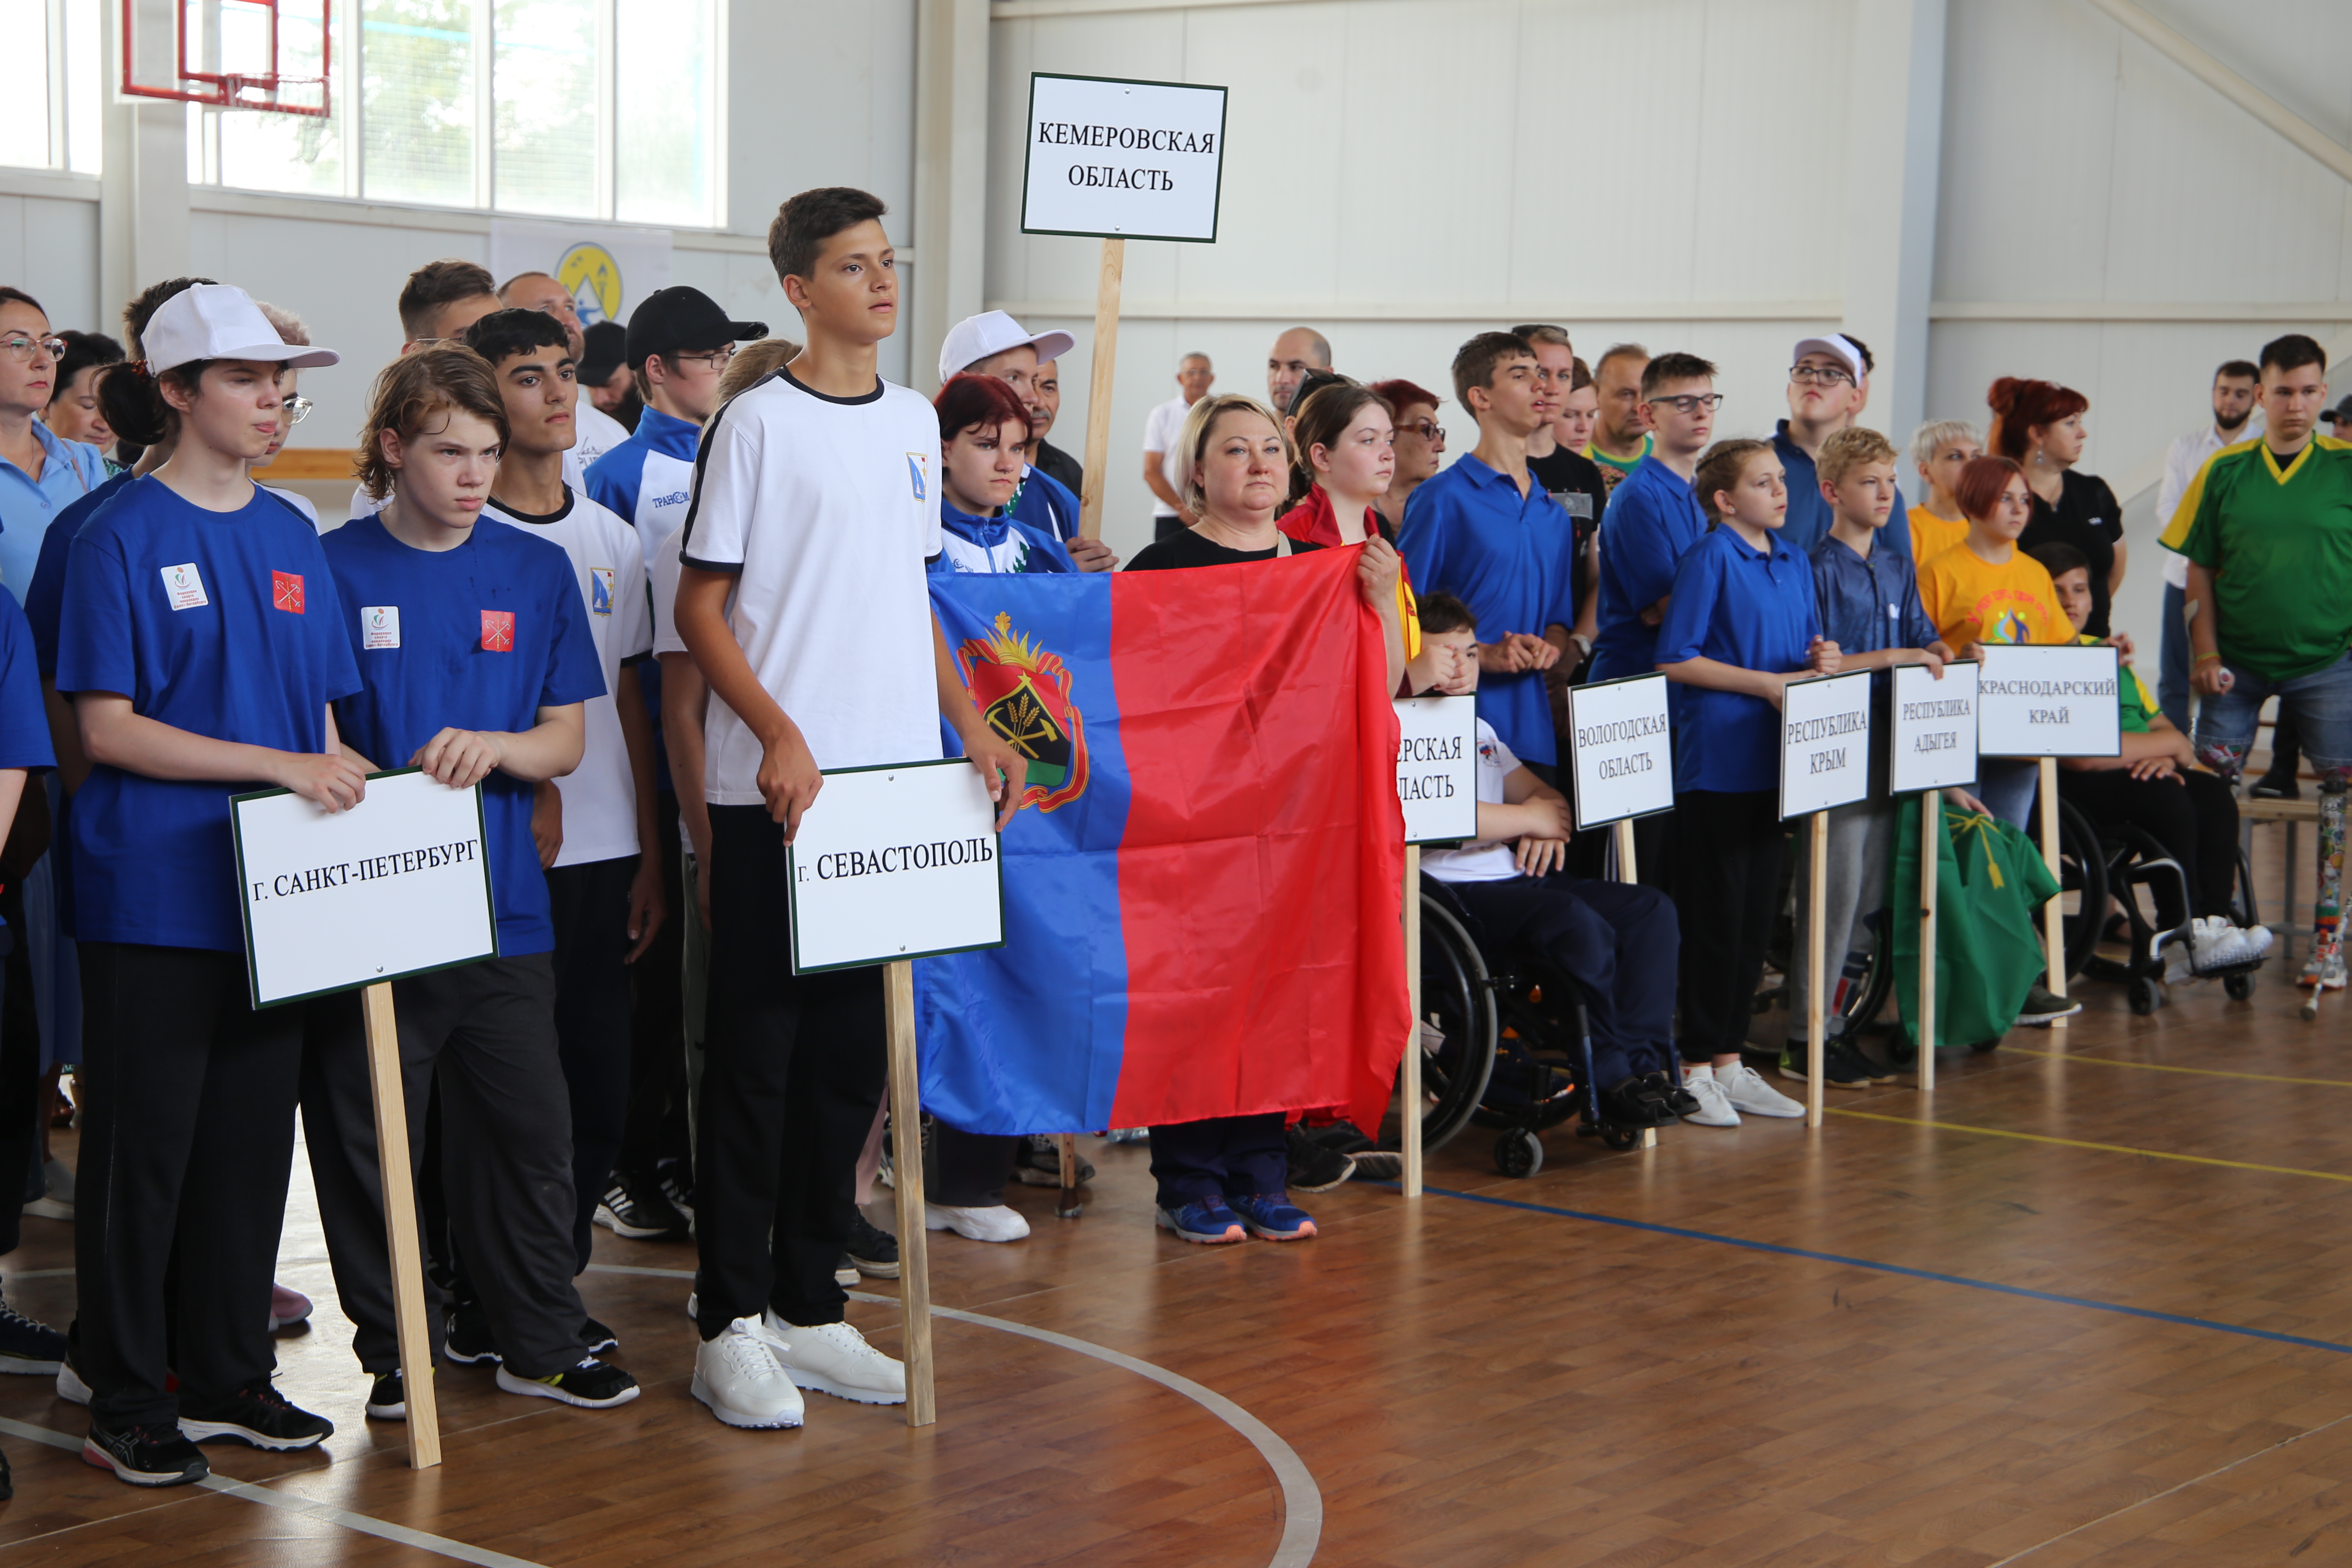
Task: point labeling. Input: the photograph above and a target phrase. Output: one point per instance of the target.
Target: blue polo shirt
(1045, 504)
(69, 471)
(1869, 605)
(45, 595)
(1469, 532)
(1652, 520)
(1809, 519)
(218, 623)
(1742, 607)
(485, 635)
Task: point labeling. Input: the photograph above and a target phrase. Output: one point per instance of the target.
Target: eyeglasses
(20, 346)
(1428, 430)
(1823, 375)
(297, 409)
(1691, 402)
(717, 359)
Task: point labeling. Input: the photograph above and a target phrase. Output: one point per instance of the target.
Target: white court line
(1302, 1500)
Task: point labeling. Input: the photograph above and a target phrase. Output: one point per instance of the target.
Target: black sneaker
(2276, 785)
(1379, 1164)
(387, 1398)
(1673, 1096)
(874, 1250)
(1038, 1162)
(679, 1188)
(844, 1271)
(598, 1338)
(257, 1415)
(145, 1455)
(29, 1347)
(1314, 1168)
(1636, 1103)
(466, 1338)
(593, 1386)
(639, 1212)
(1838, 1068)
(2045, 1006)
(1343, 1135)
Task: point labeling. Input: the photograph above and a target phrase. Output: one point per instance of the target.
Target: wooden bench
(2252, 810)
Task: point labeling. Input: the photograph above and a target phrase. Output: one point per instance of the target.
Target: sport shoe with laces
(834, 1358)
(2044, 1005)
(1713, 1110)
(466, 1337)
(1271, 1216)
(287, 1307)
(387, 1398)
(873, 1251)
(591, 1385)
(2328, 976)
(738, 1375)
(145, 1455)
(678, 1191)
(1205, 1220)
(257, 1415)
(1839, 1067)
(1747, 1092)
(28, 1346)
(70, 1386)
(996, 1222)
(638, 1212)
(845, 1272)
(598, 1338)
(1313, 1167)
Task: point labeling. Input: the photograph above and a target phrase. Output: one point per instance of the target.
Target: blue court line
(1961, 1279)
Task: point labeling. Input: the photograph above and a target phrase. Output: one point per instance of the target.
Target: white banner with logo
(609, 267)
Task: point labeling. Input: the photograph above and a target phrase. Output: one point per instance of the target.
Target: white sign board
(1622, 745)
(895, 862)
(1932, 741)
(1123, 160)
(1437, 768)
(398, 885)
(2057, 701)
(1824, 743)
(609, 267)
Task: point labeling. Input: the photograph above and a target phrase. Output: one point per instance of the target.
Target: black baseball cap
(2339, 415)
(603, 350)
(680, 319)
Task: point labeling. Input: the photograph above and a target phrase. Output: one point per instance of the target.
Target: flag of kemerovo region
(1202, 896)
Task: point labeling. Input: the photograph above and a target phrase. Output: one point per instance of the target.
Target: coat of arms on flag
(1023, 694)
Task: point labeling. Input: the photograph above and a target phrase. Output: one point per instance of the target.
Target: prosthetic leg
(2324, 973)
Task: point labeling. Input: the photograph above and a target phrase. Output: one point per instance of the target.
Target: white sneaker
(1745, 1087)
(997, 1223)
(2257, 939)
(1713, 1110)
(741, 1377)
(2328, 977)
(2214, 944)
(834, 1358)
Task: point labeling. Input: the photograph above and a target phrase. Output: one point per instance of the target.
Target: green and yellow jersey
(2278, 542)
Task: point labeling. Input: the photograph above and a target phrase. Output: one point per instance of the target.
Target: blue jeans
(2172, 655)
(2320, 704)
(2006, 787)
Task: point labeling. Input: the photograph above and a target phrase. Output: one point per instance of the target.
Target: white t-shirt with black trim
(825, 508)
(1493, 860)
(600, 796)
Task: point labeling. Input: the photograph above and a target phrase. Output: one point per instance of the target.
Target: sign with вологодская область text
(397, 885)
(1437, 768)
(2050, 701)
(1123, 160)
(1824, 743)
(1621, 743)
(895, 862)
(1931, 739)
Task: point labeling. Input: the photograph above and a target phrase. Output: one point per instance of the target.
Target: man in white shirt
(598, 432)
(2236, 418)
(1194, 376)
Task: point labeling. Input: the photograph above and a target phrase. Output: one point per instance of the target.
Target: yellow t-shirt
(1931, 535)
(1972, 600)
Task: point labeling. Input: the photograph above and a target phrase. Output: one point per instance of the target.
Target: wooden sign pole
(1931, 857)
(1626, 870)
(2053, 914)
(1816, 937)
(907, 1176)
(1408, 1113)
(1099, 384)
(400, 1232)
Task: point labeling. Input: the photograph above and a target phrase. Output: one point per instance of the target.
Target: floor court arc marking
(2098, 1147)
(1302, 1499)
(1909, 1273)
(2165, 1067)
(401, 1535)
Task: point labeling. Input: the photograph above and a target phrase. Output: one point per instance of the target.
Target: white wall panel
(48, 247)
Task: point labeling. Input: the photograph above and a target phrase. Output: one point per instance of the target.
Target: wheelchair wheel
(2082, 886)
(2143, 998)
(1457, 1000)
(2238, 986)
(1519, 1152)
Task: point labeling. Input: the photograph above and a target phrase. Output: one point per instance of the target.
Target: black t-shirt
(1053, 461)
(2087, 516)
(1193, 548)
(1577, 482)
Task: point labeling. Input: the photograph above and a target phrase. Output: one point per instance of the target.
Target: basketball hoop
(269, 55)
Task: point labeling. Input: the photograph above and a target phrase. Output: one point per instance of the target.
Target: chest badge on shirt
(183, 587)
(600, 589)
(497, 631)
(918, 474)
(286, 590)
(380, 626)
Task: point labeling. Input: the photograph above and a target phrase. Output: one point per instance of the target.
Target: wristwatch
(1580, 640)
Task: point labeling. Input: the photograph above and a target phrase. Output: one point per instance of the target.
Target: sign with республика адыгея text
(1123, 160)
(1824, 743)
(1931, 743)
(2056, 701)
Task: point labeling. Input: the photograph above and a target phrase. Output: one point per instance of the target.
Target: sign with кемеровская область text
(1123, 160)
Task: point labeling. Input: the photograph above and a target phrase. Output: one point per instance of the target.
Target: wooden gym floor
(2085, 1308)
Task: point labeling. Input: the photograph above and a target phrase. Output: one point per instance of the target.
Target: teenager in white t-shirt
(1194, 376)
(605, 897)
(803, 597)
(597, 432)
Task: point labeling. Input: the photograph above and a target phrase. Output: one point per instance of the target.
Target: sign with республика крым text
(1123, 160)
(1621, 743)
(2058, 700)
(1824, 743)
(1437, 768)
(1932, 740)
(895, 862)
(398, 885)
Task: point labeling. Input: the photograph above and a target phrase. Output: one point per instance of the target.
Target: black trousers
(20, 1072)
(591, 907)
(1617, 940)
(486, 1032)
(656, 1126)
(967, 1170)
(1726, 876)
(792, 1068)
(2192, 815)
(1222, 1157)
(187, 1136)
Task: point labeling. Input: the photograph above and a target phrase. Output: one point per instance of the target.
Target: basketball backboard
(270, 55)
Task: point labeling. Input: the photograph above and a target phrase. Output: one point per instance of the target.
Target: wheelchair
(2116, 864)
(1505, 1043)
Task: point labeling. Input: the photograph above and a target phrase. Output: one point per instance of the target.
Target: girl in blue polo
(199, 646)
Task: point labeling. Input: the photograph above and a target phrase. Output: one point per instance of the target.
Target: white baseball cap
(1839, 347)
(220, 321)
(975, 338)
